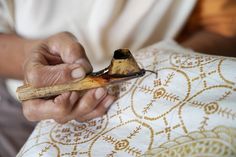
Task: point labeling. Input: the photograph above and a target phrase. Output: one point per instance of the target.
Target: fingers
(69, 106)
(39, 109)
(57, 60)
(88, 102)
(69, 49)
(58, 109)
(45, 75)
(100, 109)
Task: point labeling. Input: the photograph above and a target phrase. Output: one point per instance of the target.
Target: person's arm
(12, 54)
(211, 43)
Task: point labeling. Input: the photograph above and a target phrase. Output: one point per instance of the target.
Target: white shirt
(101, 26)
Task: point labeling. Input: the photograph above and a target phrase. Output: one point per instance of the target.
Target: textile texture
(188, 109)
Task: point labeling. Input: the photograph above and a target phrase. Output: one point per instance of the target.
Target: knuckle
(85, 107)
(100, 113)
(85, 64)
(67, 35)
(33, 76)
(73, 50)
(75, 47)
(28, 113)
(62, 110)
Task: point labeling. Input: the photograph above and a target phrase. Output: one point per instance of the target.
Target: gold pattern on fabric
(188, 110)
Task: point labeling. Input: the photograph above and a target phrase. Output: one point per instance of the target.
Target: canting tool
(122, 67)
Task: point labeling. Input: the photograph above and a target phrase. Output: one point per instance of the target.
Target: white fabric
(187, 110)
(6, 16)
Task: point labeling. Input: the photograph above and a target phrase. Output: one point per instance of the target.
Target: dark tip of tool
(122, 54)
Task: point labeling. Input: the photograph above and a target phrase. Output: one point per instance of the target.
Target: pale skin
(61, 58)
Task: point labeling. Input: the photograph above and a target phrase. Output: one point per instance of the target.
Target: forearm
(13, 50)
(211, 43)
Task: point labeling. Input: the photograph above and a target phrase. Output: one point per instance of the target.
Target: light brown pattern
(217, 142)
(189, 109)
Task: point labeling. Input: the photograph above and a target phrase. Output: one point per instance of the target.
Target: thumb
(46, 75)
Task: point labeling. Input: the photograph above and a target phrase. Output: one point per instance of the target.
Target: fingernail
(109, 102)
(99, 93)
(85, 64)
(78, 73)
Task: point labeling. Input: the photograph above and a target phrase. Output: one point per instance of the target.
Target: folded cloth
(188, 109)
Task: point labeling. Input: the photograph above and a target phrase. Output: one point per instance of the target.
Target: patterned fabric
(187, 109)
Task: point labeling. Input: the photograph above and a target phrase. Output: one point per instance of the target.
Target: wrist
(29, 44)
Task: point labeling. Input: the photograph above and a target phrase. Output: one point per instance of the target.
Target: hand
(57, 60)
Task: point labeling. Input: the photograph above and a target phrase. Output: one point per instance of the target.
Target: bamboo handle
(27, 92)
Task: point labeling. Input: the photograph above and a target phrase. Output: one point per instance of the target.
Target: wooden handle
(27, 92)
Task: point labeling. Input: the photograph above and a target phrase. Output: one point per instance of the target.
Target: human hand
(56, 60)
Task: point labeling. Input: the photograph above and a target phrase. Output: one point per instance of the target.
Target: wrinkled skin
(55, 60)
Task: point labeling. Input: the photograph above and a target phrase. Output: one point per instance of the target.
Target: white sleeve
(6, 16)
